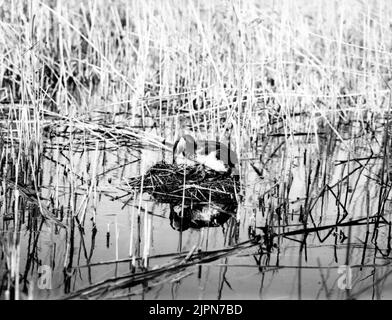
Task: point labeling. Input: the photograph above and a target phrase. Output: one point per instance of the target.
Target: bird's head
(185, 145)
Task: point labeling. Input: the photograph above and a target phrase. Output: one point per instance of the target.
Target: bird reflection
(199, 215)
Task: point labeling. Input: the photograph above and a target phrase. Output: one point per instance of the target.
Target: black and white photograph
(195, 150)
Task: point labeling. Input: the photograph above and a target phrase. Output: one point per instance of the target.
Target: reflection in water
(199, 216)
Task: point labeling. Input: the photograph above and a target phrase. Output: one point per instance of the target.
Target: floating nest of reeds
(170, 183)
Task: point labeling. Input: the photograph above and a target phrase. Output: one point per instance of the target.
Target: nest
(169, 183)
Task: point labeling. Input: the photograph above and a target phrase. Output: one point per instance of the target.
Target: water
(301, 174)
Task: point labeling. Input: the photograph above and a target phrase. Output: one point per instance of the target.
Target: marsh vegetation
(90, 97)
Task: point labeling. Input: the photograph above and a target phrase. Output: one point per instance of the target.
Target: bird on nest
(214, 155)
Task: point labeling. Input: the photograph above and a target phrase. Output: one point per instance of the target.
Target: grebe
(213, 154)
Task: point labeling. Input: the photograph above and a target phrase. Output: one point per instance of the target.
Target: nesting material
(170, 182)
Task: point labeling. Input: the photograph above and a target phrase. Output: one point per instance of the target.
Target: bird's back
(222, 152)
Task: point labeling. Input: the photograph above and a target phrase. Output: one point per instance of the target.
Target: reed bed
(300, 90)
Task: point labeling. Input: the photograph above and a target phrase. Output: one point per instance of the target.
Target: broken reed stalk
(146, 238)
(116, 237)
(133, 279)
(182, 208)
(131, 236)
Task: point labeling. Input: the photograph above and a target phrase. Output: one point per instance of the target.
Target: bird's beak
(175, 149)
